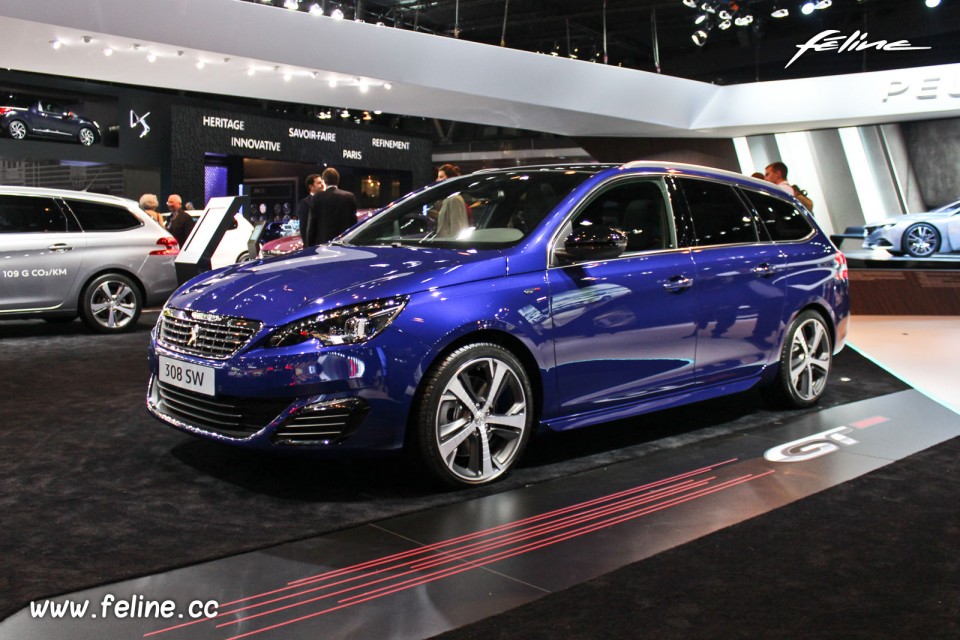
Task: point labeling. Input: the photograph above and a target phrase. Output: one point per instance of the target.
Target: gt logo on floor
(819, 444)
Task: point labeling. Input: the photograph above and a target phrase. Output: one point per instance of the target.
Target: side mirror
(595, 243)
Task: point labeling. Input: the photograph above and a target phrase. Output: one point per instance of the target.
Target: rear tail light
(170, 247)
(840, 261)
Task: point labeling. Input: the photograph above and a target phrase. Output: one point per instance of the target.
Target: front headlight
(347, 325)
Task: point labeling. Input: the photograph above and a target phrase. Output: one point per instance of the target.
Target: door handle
(764, 270)
(59, 247)
(676, 284)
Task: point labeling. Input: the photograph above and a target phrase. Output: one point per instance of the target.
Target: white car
(917, 234)
(69, 253)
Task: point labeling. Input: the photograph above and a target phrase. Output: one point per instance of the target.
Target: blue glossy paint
(600, 340)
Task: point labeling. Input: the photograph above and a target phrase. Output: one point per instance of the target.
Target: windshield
(482, 211)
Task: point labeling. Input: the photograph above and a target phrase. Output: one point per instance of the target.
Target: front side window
(782, 221)
(95, 216)
(26, 214)
(636, 208)
(475, 211)
(718, 214)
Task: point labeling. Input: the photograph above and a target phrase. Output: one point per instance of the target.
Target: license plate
(187, 376)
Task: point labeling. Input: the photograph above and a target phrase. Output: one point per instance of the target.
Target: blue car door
(625, 328)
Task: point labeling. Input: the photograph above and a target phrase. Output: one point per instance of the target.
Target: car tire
(86, 136)
(111, 303)
(17, 129)
(921, 240)
(466, 436)
(805, 363)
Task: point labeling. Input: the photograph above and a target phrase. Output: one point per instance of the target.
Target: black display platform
(418, 575)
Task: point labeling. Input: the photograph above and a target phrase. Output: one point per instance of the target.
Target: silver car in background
(69, 253)
(917, 234)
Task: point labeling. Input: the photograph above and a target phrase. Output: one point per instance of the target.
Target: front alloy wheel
(921, 240)
(804, 362)
(111, 304)
(475, 415)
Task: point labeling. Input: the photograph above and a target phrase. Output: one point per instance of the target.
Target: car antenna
(94, 179)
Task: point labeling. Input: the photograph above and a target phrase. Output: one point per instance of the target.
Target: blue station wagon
(472, 313)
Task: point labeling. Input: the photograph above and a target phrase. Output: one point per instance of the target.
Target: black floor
(115, 496)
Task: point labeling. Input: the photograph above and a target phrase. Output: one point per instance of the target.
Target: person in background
(314, 184)
(149, 203)
(447, 171)
(332, 212)
(180, 223)
(776, 173)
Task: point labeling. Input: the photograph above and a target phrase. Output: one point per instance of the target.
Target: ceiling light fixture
(86, 39)
(151, 57)
(200, 64)
(56, 44)
(933, 4)
(315, 9)
(293, 5)
(337, 14)
(723, 26)
(779, 11)
(690, 3)
(808, 7)
(823, 4)
(107, 51)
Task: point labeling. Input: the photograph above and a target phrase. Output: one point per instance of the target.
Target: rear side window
(95, 216)
(781, 219)
(27, 214)
(719, 215)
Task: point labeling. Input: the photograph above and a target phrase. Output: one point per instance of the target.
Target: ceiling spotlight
(179, 53)
(316, 9)
(725, 14)
(933, 3)
(333, 84)
(387, 86)
(86, 39)
(107, 51)
(151, 57)
(314, 74)
(700, 18)
(699, 36)
(743, 21)
(344, 114)
(251, 71)
(708, 7)
(779, 11)
(690, 3)
(287, 77)
(56, 44)
(823, 4)
(291, 4)
(337, 14)
(723, 26)
(808, 7)
(200, 64)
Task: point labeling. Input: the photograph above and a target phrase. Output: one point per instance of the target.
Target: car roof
(66, 193)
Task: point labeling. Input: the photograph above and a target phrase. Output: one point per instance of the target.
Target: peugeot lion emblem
(194, 334)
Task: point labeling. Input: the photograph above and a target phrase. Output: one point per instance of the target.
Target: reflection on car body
(577, 294)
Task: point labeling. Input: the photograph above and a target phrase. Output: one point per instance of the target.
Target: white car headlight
(347, 325)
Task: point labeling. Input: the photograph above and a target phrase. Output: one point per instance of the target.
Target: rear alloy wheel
(921, 240)
(804, 363)
(111, 304)
(17, 130)
(87, 136)
(475, 415)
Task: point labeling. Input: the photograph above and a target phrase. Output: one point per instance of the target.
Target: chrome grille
(204, 334)
(226, 416)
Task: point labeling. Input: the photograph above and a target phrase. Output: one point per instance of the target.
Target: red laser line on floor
(460, 569)
(440, 559)
(433, 548)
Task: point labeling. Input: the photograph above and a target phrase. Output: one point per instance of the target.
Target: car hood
(283, 289)
(910, 218)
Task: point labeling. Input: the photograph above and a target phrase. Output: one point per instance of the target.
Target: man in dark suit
(313, 186)
(333, 211)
